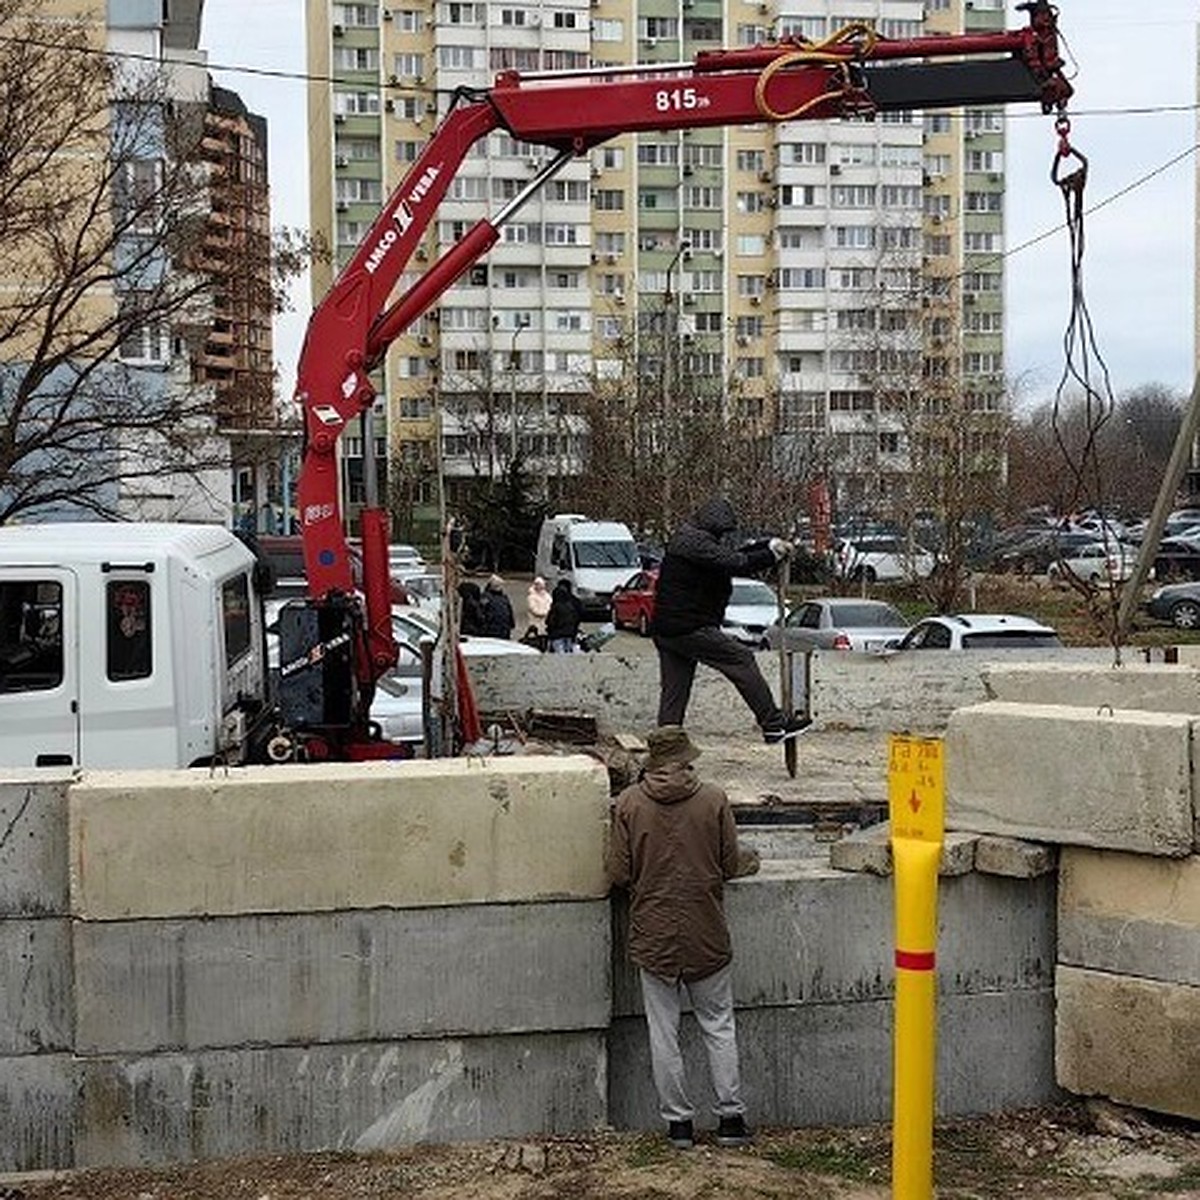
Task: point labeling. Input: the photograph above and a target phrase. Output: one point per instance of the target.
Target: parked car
(882, 558)
(978, 631)
(1178, 558)
(1178, 603)
(752, 608)
(415, 625)
(285, 554)
(404, 559)
(633, 602)
(1094, 564)
(1034, 554)
(424, 589)
(839, 623)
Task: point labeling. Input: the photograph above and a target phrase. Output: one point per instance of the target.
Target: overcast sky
(1139, 258)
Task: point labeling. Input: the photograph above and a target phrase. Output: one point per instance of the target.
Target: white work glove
(780, 548)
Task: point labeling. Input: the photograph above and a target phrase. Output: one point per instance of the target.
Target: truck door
(39, 667)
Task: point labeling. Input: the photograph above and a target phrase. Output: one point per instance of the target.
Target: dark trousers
(677, 659)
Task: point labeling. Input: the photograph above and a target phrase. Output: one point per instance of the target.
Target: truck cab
(129, 645)
(594, 557)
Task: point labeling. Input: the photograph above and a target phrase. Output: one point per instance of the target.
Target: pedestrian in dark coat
(498, 620)
(470, 616)
(673, 844)
(694, 586)
(563, 619)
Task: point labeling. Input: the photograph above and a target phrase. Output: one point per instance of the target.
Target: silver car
(840, 623)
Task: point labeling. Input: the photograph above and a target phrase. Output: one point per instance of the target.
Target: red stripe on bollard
(915, 960)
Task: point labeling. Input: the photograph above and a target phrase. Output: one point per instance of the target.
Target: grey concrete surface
(870, 850)
(41, 1112)
(831, 1064)
(33, 843)
(300, 837)
(370, 1095)
(36, 990)
(1132, 1040)
(1054, 773)
(1130, 914)
(1152, 687)
(340, 977)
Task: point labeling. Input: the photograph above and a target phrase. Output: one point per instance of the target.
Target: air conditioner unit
(425, 340)
(419, 80)
(650, 42)
(835, 168)
(611, 259)
(338, 30)
(618, 297)
(743, 340)
(385, 14)
(422, 254)
(687, 168)
(995, 177)
(688, 299)
(389, 106)
(768, 202)
(340, 160)
(393, 81)
(534, 21)
(339, 118)
(596, 172)
(764, 177)
(969, 298)
(756, 300)
(719, 252)
(343, 206)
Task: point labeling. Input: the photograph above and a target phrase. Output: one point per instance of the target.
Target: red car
(633, 602)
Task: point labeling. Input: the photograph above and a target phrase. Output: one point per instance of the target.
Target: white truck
(130, 645)
(594, 557)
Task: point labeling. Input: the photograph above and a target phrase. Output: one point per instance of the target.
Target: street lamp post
(522, 322)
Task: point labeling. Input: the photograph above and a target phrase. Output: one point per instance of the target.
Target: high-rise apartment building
(823, 283)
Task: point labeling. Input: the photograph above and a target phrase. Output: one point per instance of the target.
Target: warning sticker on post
(916, 787)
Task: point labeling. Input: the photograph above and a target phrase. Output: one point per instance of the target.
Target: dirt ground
(1079, 1151)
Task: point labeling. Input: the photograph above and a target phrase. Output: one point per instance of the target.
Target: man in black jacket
(694, 585)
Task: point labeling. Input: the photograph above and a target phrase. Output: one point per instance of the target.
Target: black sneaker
(681, 1135)
(793, 727)
(732, 1131)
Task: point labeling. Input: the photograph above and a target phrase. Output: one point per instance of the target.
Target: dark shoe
(792, 727)
(732, 1131)
(681, 1135)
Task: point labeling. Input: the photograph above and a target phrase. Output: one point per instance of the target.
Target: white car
(1095, 564)
(404, 560)
(751, 611)
(978, 631)
(882, 558)
(424, 590)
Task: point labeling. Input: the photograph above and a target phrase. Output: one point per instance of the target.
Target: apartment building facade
(822, 284)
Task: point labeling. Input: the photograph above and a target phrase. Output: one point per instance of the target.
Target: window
(127, 609)
(751, 243)
(235, 616)
(607, 30)
(360, 104)
(409, 20)
(138, 198)
(751, 202)
(658, 154)
(609, 199)
(145, 337)
(852, 195)
(751, 160)
(853, 154)
(31, 623)
(895, 196)
(984, 202)
(801, 196)
(854, 237)
(459, 58)
(801, 278)
(408, 66)
(355, 58)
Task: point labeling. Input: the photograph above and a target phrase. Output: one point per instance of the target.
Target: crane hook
(1075, 180)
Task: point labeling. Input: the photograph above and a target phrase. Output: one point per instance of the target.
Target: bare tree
(106, 254)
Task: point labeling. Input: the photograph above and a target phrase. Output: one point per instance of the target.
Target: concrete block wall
(272, 961)
(914, 691)
(1104, 762)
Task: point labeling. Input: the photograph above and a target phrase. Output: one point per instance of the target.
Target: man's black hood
(716, 515)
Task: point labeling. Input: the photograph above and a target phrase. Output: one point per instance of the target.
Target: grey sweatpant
(712, 1002)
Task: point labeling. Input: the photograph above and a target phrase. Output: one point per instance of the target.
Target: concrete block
(870, 850)
(1013, 857)
(33, 844)
(813, 935)
(1132, 1040)
(341, 977)
(1054, 773)
(830, 1064)
(35, 986)
(1130, 914)
(1152, 687)
(299, 838)
(39, 1111)
(364, 1096)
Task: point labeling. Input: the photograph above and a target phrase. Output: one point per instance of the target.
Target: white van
(593, 556)
(128, 645)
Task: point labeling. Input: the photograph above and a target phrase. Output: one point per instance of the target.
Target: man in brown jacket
(673, 844)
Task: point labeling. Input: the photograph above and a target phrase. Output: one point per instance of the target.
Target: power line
(307, 77)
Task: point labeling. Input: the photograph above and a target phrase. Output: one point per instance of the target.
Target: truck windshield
(606, 554)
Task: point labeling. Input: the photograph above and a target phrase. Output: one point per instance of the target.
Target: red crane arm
(855, 72)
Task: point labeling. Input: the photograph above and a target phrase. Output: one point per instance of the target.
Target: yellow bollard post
(916, 804)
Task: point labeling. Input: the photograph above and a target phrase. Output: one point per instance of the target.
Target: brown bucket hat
(669, 744)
